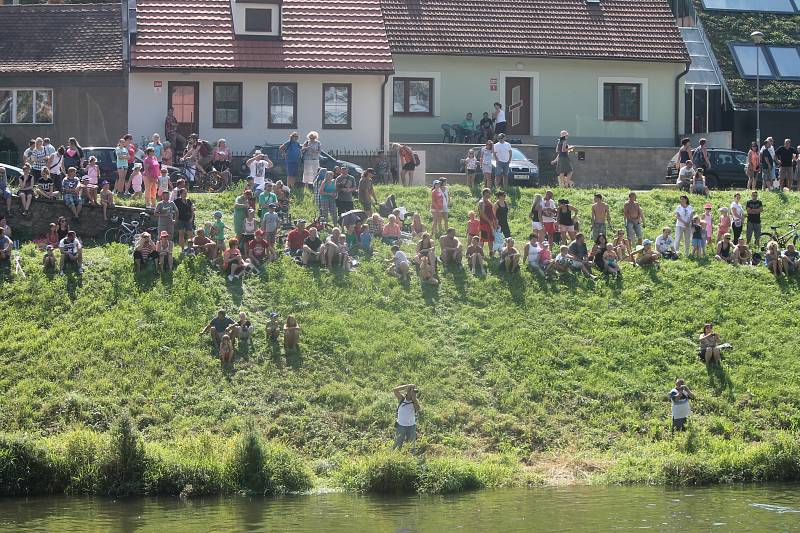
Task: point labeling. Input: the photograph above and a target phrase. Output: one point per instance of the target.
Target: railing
(9, 158)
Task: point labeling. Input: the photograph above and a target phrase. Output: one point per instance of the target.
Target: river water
(759, 508)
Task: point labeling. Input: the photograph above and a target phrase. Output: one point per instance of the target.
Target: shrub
(384, 472)
(77, 457)
(173, 475)
(448, 475)
(25, 468)
(124, 464)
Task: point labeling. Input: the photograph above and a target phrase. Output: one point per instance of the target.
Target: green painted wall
(568, 98)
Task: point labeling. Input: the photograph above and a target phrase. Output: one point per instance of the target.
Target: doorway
(183, 98)
(518, 105)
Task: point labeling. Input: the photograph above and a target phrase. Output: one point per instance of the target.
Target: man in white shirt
(71, 251)
(502, 154)
(399, 264)
(664, 244)
(679, 396)
(685, 176)
(406, 420)
(258, 165)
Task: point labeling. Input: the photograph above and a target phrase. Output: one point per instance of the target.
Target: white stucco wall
(147, 108)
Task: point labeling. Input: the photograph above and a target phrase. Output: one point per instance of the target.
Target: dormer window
(256, 18)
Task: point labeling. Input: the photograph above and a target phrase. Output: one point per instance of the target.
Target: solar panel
(787, 60)
(768, 6)
(702, 72)
(745, 55)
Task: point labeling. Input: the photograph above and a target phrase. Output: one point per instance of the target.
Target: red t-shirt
(295, 238)
(258, 247)
(131, 153)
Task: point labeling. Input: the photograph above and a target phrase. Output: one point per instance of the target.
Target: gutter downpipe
(678, 102)
(383, 110)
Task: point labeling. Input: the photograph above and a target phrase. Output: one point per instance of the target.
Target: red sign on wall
(492, 84)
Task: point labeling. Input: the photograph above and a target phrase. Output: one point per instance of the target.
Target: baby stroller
(385, 209)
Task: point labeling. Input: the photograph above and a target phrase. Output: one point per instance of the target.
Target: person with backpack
(406, 421)
(700, 156)
(408, 161)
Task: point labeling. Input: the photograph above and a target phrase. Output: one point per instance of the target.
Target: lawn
(565, 378)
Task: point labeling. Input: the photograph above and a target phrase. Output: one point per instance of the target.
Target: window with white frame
(26, 106)
(256, 18)
(336, 105)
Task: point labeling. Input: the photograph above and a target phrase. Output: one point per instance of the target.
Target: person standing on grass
(486, 157)
(501, 212)
(683, 224)
(601, 215)
(752, 167)
(767, 164)
(366, 191)
(502, 154)
(406, 420)
(292, 152)
(737, 217)
(345, 187)
(549, 213)
(786, 156)
(679, 397)
(754, 208)
(488, 219)
(167, 214)
(185, 223)
(437, 206)
(634, 219)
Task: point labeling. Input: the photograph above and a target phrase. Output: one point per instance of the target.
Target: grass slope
(564, 376)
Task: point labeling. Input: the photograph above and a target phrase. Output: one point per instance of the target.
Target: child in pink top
(473, 226)
(92, 175)
(708, 222)
(545, 257)
(724, 223)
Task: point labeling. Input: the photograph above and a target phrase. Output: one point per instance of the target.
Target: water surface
(758, 508)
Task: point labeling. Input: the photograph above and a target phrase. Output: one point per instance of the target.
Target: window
(258, 20)
(227, 105)
(622, 101)
(26, 106)
(745, 56)
(413, 96)
(282, 104)
(786, 60)
(336, 105)
(766, 6)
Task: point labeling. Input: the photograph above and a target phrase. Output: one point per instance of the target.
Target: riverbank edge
(121, 463)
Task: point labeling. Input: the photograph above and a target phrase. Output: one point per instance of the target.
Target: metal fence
(9, 158)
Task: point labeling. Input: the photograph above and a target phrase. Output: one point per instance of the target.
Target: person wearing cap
(143, 250)
(258, 165)
(218, 325)
(6, 245)
(273, 327)
(164, 248)
(345, 187)
(295, 239)
(646, 255)
(250, 226)
(258, 249)
(49, 259)
(70, 190)
(292, 152)
(266, 197)
(136, 181)
(366, 191)
(562, 163)
(167, 213)
(679, 398)
(502, 154)
(725, 249)
(218, 228)
(406, 419)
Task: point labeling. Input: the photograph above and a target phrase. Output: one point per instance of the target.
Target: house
(726, 108)
(256, 70)
(63, 73)
(608, 71)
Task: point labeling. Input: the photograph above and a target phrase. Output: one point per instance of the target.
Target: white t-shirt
(545, 205)
(406, 414)
(502, 151)
(663, 244)
(258, 169)
(501, 116)
(400, 257)
(680, 405)
(684, 215)
(737, 213)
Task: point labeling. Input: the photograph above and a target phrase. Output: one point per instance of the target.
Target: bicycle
(199, 179)
(792, 236)
(127, 232)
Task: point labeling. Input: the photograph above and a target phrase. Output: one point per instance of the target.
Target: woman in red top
(152, 170)
(753, 160)
(232, 261)
(488, 219)
(437, 207)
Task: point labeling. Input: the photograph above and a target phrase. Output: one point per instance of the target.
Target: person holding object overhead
(679, 397)
(406, 421)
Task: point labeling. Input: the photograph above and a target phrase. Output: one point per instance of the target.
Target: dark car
(12, 174)
(278, 171)
(107, 161)
(727, 169)
(523, 170)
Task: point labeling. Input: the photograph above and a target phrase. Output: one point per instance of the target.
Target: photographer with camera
(406, 421)
(679, 396)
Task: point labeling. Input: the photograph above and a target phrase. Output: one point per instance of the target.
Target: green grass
(561, 375)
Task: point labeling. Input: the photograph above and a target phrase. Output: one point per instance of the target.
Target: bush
(448, 475)
(25, 468)
(385, 472)
(77, 456)
(124, 464)
(259, 468)
(171, 475)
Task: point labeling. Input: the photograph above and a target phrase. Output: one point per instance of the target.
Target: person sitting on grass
(772, 258)
(106, 199)
(427, 273)
(509, 255)
(598, 251)
(664, 244)
(611, 263)
(709, 345)
(725, 249)
(295, 239)
(71, 252)
(406, 421)
(742, 254)
(49, 259)
(790, 259)
(204, 245)
(417, 229)
(647, 256)
(6, 246)
(232, 262)
(563, 262)
(679, 397)
(579, 254)
(376, 226)
(365, 239)
(426, 247)
(391, 231)
(258, 250)
(164, 247)
(226, 349)
(699, 183)
(698, 238)
(621, 245)
(475, 256)
(344, 254)
(329, 255)
(451, 248)
(532, 251)
(312, 248)
(217, 326)
(291, 334)
(143, 250)
(398, 264)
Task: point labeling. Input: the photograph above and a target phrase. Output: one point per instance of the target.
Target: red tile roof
(317, 35)
(61, 38)
(643, 30)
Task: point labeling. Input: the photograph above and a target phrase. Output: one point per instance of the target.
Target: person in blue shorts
(292, 152)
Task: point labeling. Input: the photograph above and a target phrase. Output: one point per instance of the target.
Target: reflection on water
(760, 508)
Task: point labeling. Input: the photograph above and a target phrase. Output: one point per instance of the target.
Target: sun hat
(436, 182)
(163, 234)
(646, 242)
(723, 209)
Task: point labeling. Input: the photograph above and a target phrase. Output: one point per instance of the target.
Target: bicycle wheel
(764, 238)
(111, 235)
(794, 240)
(214, 182)
(124, 237)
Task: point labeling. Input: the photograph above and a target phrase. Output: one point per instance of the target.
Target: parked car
(107, 161)
(278, 171)
(727, 169)
(523, 170)
(12, 174)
